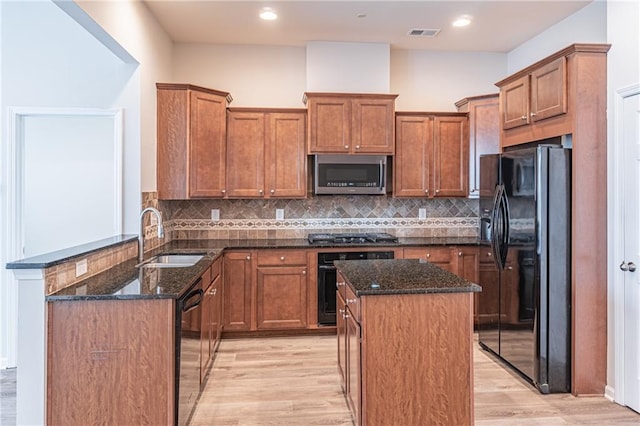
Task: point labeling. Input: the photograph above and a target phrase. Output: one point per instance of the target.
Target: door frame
(11, 215)
(616, 253)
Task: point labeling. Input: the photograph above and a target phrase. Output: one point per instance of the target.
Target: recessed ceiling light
(268, 14)
(361, 15)
(462, 21)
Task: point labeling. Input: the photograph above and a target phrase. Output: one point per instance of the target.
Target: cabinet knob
(459, 253)
(339, 283)
(426, 191)
(533, 114)
(346, 147)
(524, 117)
(223, 191)
(248, 257)
(428, 255)
(509, 268)
(304, 272)
(261, 192)
(345, 316)
(273, 191)
(351, 300)
(341, 311)
(357, 146)
(488, 253)
(437, 191)
(281, 257)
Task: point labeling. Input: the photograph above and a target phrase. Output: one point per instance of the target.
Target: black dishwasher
(327, 280)
(187, 374)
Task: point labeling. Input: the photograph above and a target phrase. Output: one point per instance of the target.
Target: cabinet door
(207, 148)
(372, 126)
(281, 297)
(237, 291)
(484, 136)
(354, 389)
(514, 103)
(245, 154)
(414, 144)
(286, 160)
(451, 157)
(549, 90)
(329, 125)
(341, 332)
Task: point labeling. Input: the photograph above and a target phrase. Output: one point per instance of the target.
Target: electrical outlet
(215, 215)
(81, 267)
(422, 213)
(279, 214)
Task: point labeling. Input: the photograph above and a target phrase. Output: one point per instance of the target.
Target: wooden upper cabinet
(451, 156)
(484, 133)
(266, 153)
(245, 154)
(549, 90)
(190, 141)
(343, 123)
(286, 157)
(535, 96)
(412, 162)
(514, 99)
(432, 155)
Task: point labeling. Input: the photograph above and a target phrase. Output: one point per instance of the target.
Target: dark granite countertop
(401, 276)
(60, 256)
(126, 281)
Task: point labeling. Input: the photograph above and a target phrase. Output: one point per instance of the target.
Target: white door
(630, 132)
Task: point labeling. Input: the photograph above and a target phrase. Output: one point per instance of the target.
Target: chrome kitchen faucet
(141, 235)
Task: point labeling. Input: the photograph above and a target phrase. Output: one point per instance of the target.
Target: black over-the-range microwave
(350, 174)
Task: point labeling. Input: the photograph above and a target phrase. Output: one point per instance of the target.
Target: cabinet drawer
(352, 302)
(432, 254)
(282, 257)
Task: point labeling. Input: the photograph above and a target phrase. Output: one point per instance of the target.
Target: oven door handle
(327, 267)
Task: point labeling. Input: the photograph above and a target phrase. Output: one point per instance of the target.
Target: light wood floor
(294, 381)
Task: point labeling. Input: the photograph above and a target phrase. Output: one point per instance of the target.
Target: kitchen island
(405, 335)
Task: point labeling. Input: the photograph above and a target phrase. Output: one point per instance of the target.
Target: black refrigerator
(525, 305)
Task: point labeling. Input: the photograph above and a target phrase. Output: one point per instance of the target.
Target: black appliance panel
(327, 280)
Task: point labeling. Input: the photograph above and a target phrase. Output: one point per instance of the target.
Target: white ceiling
(497, 26)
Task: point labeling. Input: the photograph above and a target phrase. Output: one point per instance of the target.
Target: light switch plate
(81, 267)
(279, 214)
(215, 215)
(422, 213)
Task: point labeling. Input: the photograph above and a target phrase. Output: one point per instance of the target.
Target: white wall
(347, 67)
(434, 81)
(256, 76)
(623, 70)
(133, 26)
(588, 25)
(48, 60)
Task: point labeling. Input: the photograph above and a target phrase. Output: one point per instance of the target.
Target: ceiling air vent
(423, 33)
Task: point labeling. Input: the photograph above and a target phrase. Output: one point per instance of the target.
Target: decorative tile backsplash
(191, 219)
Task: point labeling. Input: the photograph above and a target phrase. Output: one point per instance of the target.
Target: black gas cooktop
(353, 239)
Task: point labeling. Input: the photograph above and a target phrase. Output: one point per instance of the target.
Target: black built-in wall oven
(327, 280)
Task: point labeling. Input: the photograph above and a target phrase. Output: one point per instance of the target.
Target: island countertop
(401, 276)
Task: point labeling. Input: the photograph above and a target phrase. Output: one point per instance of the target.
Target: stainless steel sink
(172, 261)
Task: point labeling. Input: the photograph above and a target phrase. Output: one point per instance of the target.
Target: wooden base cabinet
(266, 290)
(396, 354)
(110, 362)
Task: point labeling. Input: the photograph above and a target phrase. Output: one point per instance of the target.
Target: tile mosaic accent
(191, 219)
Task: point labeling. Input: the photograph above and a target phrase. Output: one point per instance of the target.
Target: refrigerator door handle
(504, 249)
(495, 226)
